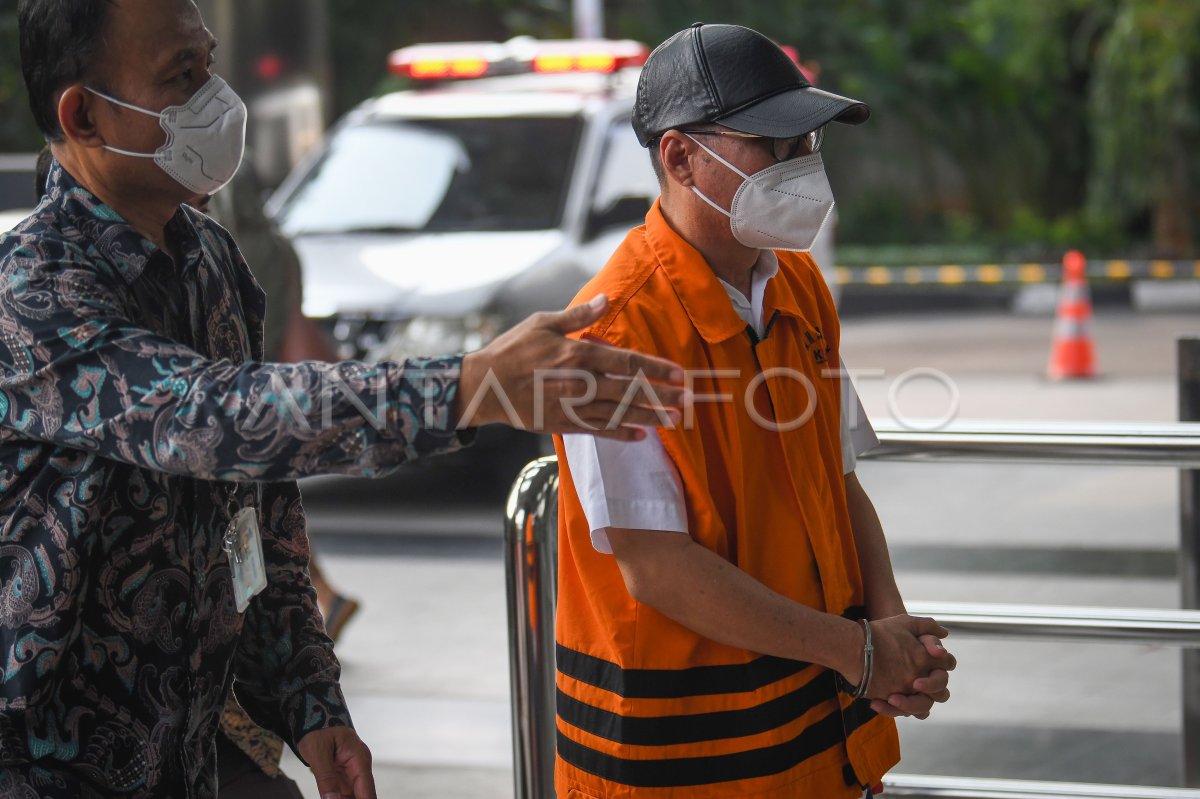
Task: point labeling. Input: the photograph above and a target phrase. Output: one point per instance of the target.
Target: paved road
(426, 663)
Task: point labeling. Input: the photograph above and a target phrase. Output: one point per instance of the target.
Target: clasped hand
(912, 668)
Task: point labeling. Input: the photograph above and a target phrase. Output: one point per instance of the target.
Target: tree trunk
(1172, 209)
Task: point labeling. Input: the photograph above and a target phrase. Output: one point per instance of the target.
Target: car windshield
(437, 175)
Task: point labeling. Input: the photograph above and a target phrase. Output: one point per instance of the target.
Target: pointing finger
(620, 434)
(616, 389)
(579, 316)
(603, 359)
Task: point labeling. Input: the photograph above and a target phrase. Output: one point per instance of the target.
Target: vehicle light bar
(597, 55)
(445, 61)
(454, 68)
(521, 55)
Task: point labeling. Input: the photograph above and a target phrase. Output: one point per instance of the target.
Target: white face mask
(206, 137)
(782, 207)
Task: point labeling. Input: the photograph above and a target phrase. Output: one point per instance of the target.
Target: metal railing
(531, 543)
(1096, 625)
(1173, 445)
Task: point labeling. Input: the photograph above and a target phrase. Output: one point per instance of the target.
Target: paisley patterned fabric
(264, 748)
(134, 416)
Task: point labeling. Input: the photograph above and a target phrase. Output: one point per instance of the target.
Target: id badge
(243, 545)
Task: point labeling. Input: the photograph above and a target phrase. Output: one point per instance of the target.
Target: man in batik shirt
(146, 453)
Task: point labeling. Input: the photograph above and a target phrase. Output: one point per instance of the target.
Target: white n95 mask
(782, 207)
(206, 137)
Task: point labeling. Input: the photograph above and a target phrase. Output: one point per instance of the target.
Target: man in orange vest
(728, 621)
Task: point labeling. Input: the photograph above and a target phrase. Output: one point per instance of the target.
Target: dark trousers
(239, 778)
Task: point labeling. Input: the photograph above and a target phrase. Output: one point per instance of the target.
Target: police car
(16, 188)
(10, 219)
(433, 219)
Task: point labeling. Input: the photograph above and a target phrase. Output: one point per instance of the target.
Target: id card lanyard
(243, 546)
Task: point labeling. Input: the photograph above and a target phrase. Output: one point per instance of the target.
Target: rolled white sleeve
(628, 484)
(858, 436)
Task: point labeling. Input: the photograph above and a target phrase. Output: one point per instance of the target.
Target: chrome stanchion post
(1189, 556)
(531, 569)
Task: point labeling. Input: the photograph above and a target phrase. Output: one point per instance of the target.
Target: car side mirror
(624, 211)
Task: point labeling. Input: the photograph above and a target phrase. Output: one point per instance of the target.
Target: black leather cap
(735, 77)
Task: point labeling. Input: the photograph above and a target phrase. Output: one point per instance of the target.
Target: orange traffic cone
(1072, 354)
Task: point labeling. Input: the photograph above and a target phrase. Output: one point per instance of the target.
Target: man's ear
(675, 150)
(75, 117)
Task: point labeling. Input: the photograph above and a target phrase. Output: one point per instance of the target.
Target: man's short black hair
(59, 42)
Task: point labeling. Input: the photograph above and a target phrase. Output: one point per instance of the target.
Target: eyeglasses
(781, 149)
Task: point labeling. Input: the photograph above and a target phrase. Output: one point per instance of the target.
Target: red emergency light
(443, 61)
(476, 59)
(455, 68)
(600, 55)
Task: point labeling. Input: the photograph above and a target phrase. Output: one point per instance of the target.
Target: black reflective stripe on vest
(692, 728)
(854, 718)
(858, 714)
(674, 683)
(681, 683)
(814, 740)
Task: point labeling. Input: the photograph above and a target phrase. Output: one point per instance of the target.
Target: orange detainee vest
(646, 707)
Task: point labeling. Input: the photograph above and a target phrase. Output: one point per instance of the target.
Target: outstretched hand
(535, 378)
(340, 762)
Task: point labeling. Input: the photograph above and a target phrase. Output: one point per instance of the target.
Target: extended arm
(76, 371)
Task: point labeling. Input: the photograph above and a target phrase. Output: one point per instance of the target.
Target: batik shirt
(135, 417)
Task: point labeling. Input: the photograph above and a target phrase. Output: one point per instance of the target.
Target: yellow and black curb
(1115, 271)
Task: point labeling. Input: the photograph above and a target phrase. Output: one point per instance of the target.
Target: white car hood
(396, 275)
(10, 219)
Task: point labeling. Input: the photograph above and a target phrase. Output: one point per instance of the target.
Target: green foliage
(997, 88)
(1144, 100)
